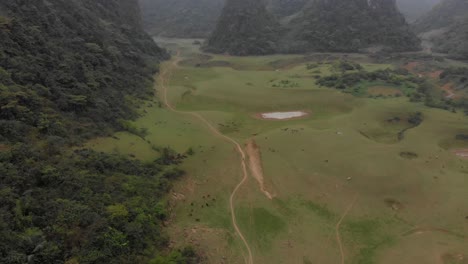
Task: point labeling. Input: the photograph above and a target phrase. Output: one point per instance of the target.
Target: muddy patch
(435, 74)
(449, 91)
(411, 66)
(4, 147)
(454, 258)
(282, 115)
(423, 230)
(256, 167)
(462, 153)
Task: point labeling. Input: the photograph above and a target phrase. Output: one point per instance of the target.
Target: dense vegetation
(284, 8)
(321, 25)
(350, 76)
(198, 18)
(413, 9)
(245, 27)
(70, 70)
(350, 25)
(354, 79)
(446, 27)
(443, 15)
(453, 41)
(181, 18)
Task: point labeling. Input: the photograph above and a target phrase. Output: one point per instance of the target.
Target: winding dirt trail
(163, 80)
(337, 229)
(448, 88)
(255, 162)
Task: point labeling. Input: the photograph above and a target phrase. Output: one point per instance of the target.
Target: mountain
(284, 8)
(181, 18)
(413, 9)
(85, 55)
(198, 18)
(445, 14)
(71, 70)
(245, 27)
(445, 27)
(453, 41)
(350, 25)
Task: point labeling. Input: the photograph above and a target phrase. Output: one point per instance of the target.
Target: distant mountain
(453, 41)
(283, 8)
(350, 25)
(198, 18)
(245, 27)
(413, 9)
(181, 18)
(445, 27)
(443, 15)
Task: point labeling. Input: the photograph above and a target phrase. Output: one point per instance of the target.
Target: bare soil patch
(382, 90)
(255, 165)
(450, 93)
(462, 153)
(435, 74)
(454, 258)
(422, 230)
(4, 147)
(411, 66)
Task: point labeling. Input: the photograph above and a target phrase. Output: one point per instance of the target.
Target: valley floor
(338, 185)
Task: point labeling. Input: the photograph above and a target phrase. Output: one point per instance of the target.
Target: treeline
(351, 77)
(358, 74)
(71, 70)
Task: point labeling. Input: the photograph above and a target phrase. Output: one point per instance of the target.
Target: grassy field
(397, 189)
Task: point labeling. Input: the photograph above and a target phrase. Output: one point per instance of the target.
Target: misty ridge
(295, 26)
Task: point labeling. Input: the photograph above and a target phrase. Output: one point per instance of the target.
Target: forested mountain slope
(445, 14)
(446, 28)
(245, 27)
(350, 25)
(413, 9)
(283, 8)
(453, 41)
(181, 18)
(69, 70)
(198, 18)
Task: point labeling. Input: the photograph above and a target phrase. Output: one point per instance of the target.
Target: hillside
(284, 8)
(197, 18)
(181, 18)
(453, 40)
(244, 28)
(445, 27)
(350, 25)
(413, 9)
(71, 70)
(445, 14)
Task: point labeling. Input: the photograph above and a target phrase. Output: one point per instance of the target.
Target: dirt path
(448, 88)
(337, 229)
(163, 80)
(255, 165)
